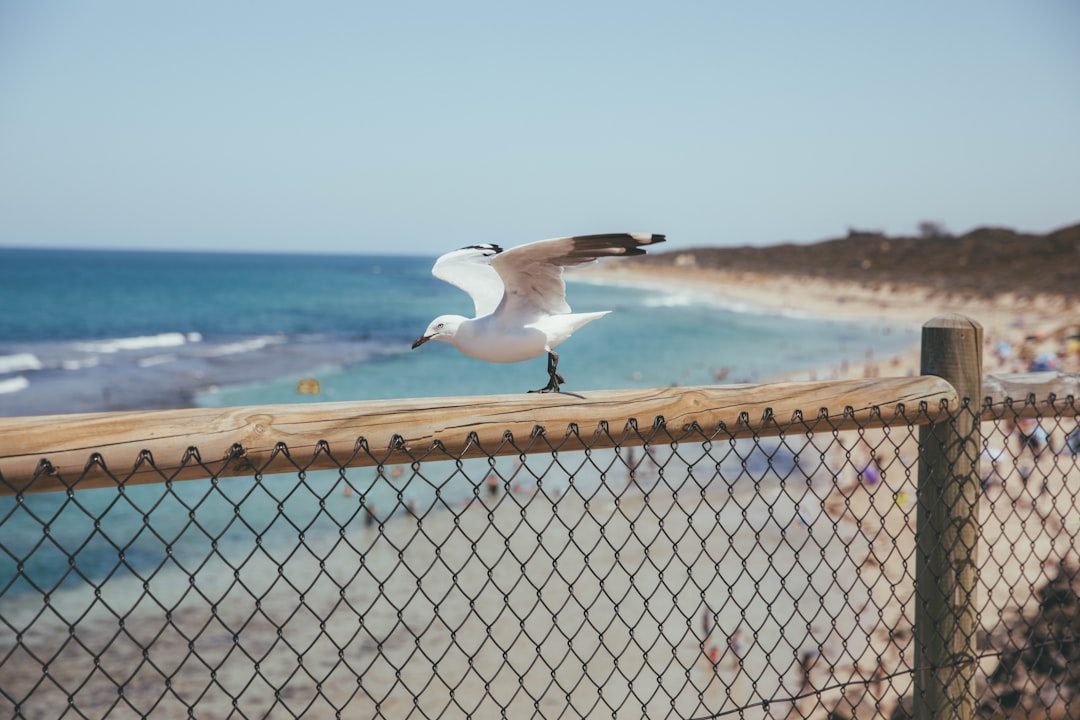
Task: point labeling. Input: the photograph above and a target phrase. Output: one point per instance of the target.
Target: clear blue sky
(416, 127)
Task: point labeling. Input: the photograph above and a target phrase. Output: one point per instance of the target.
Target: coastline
(1016, 330)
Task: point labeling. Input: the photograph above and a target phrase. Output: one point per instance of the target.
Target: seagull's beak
(421, 340)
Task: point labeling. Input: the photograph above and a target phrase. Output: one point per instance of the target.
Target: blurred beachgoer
(713, 654)
(1044, 362)
(807, 660)
(988, 468)
(1032, 436)
(737, 645)
(706, 622)
(871, 472)
(1072, 441)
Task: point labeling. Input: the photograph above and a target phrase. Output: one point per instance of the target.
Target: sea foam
(142, 342)
(243, 346)
(19, 362)
(13, 385)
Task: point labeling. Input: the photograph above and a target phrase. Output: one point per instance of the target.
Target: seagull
(520, 297)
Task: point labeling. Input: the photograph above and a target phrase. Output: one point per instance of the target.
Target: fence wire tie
(191, 454)
(692, 428)
(322, 448)
(144, 457)
(95, 459)
(45, 467)
(472, 440)
(235, 452)
(280, 448)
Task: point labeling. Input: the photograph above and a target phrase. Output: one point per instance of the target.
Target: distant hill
(984, 262)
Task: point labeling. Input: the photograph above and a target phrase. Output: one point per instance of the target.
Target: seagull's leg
(554, 378)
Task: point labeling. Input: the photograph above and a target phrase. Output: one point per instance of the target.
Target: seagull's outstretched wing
(470, 270)
(533, 274)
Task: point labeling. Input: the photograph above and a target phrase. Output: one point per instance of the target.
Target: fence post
(947, 527)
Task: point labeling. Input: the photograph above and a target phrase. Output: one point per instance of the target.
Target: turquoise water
(86, 331)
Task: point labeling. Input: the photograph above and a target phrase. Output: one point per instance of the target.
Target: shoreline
(1016, 330)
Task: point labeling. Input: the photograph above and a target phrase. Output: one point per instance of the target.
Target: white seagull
(520, 296)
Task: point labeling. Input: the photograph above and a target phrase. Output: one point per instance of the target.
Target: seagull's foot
(554, 378)
(550, 387)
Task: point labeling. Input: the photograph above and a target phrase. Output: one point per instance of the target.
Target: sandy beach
(1030, 325)
(603, 593)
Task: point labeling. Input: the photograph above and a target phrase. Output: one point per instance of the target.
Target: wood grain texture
(947, 527)
(98, 450)
(1049, 394)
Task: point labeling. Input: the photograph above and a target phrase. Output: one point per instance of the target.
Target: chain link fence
(697, 574)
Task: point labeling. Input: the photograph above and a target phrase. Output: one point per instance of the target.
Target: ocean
(86, 331)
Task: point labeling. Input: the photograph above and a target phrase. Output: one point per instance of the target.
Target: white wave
(80, 363)
(664, 297)
(13, 385)
(158, 360)
(670, 301)
(243, 346)
(19, 362)
(144, 342)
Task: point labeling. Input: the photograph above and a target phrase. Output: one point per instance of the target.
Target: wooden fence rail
(47, 453)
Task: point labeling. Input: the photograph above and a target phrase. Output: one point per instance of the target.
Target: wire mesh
(691, 577)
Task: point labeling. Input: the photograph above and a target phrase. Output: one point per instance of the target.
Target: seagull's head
(443, 328)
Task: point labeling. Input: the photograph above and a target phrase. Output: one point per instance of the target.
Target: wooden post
(947, 526)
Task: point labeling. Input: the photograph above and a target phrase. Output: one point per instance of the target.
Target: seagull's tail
(560, 327)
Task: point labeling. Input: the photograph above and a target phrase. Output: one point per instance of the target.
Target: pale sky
(417, 127)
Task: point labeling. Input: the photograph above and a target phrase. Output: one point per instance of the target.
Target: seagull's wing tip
(648, 238)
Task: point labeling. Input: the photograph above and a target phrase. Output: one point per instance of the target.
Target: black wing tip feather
(643, 239)
(620, 244)
(492, 247)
